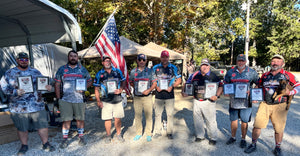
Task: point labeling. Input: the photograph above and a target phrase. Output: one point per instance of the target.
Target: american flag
(109, 44)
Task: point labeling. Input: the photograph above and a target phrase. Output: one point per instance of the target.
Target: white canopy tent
(131, 48)
(27, 22)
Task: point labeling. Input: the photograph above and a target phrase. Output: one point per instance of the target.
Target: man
(204, 108)
(240, 107)
(27, 108)
(271, 108)
(142, 79)
(71, 102)
(112, 82)
(167, 78)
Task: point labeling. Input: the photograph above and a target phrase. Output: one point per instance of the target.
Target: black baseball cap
(22, 55)
(142, 56)
(105, 57)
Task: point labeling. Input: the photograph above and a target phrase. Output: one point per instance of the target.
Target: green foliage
(209, 28)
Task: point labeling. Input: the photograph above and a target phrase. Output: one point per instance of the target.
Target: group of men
(28, 110)
(241, 108)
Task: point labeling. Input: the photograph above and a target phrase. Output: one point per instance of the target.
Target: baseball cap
(164, 53)
(22, 55)
(278, 56)
(205, 61)
(105, 57)
(142, 56)
(241, 57)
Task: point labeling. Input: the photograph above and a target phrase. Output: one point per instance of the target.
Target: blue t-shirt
(169, 73)
(248, 76)
(136, 75)
(67, 76)
(101, 80)
(28, 102)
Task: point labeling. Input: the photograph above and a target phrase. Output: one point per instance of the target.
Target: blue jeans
(243, 114)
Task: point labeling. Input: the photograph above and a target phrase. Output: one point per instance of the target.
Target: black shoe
(199, 139)
(251, 148)
(230, 141)
(23, 150)
(212, 142)
(243, 144)
(64, 143)
(48, 148)
(170, 136)
(81, 141)
(277, 152)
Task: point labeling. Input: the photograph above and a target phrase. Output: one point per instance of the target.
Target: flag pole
(111, 15)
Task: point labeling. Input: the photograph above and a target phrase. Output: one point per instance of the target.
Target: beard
(241, 67)
(23, 66)
(73, 62)
(107, 66)
(275, 67)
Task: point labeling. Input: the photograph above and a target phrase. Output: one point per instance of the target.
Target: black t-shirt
(199, 81)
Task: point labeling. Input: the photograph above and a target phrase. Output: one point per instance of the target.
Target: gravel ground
(183, 142)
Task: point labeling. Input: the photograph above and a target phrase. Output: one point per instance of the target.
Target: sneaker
(243, 144)
(137, 137)
(120, 138)
(82, 141)
(199, 139)
(149, 138)
(170, 136)
(156, 135)
(230, 141)
(277, 151)
(107, 139)
(251, 148)
(212, 142)
(23, 150)
(48, 148)
(64, 144)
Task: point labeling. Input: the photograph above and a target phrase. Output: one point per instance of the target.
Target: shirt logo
(233, 75)
(136, 74)
(66, 70)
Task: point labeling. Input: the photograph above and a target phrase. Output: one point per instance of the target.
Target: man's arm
(97, 95)
(146, 92)
(57, 90)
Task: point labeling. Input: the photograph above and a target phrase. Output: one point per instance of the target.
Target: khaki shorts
(110, 111)
(30, 121)
(69, 110)
(277, 113)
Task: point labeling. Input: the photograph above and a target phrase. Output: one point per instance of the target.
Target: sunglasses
(142, 59)
(24, 59)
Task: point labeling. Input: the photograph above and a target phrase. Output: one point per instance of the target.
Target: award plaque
(111, 86)
(80, 84)
(163, 84)
(142, 86)
(228, 88)
(210, 89)
(41, 83)
(241, 90)
(189, 89)
(25, 83)
(256, 94)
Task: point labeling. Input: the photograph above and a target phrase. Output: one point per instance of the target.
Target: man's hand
(20, 92)
(118, 91)
(214, 98)
(100, 104)
(146, 92)
(248, 92)
(255, 101)
(184, 94)
(158, 89)
(170, 89)
(49, 87)
(227, 95)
